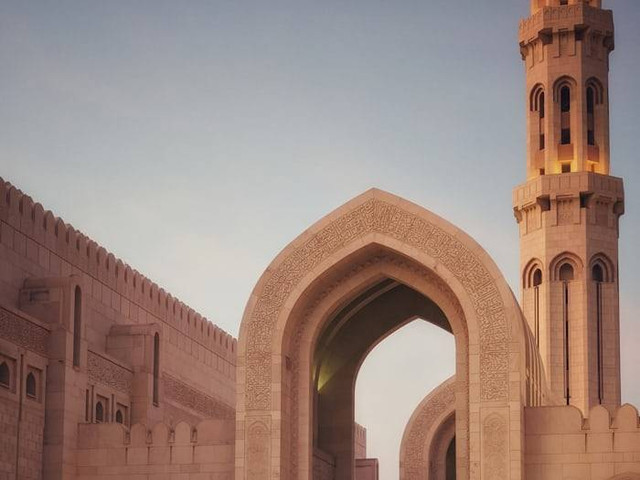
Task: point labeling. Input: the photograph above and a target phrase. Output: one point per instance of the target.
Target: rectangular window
(542, 141)
(591, 138)
(565, 136)
(566, 168)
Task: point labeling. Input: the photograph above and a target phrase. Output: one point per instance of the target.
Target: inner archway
(395, 377)
(348, 337)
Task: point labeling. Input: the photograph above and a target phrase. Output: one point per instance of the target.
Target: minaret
(568, 210)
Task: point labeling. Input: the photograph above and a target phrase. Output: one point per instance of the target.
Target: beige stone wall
(22, 414)
(43, 262)
(36, 244)
(203, 452)
(367, 469)
(360, 441)
(561, 444)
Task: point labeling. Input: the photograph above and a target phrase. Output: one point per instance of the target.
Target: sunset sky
(196, 139)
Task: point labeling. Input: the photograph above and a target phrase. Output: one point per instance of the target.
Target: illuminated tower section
(568, 210)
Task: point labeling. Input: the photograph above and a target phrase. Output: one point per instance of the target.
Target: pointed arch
(562, 260)
(418, 449)
(536, 98)
(533, 273)
(374, 237)
(606, 266)
(560, 83)
(598, 89)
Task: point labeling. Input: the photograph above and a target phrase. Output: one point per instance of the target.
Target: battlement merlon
(20, 212)
(573, 18)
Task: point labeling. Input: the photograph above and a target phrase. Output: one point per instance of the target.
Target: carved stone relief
(183, 394)
(104, 371)
(378, 216)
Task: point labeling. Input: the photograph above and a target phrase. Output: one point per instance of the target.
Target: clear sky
(196, 139)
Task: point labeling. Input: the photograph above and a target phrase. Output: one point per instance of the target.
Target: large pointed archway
(321, 282)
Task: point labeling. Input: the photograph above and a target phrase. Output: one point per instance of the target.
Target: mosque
(104, 375)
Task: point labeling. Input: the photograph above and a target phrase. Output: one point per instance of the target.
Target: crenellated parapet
(115, 451)
(21, 214)
(599, 446)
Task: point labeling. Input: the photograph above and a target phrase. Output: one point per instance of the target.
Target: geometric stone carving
(104, 371)
(420, 430)
(22, 332)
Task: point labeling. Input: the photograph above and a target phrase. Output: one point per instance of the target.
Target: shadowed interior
(342, 347)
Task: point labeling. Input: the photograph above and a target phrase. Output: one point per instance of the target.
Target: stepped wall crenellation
(19, 211)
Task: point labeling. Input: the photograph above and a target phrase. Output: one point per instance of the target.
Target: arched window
(156, 368)
(31, 389)
(565, 99)
(537, 107)
(77, 326)
(567, 272)
(537, 277)
(119, 417)
(591, 126)
(597, 275)
(594, 97)
(566, 275)
(99, 412)
(5, 375)
(537, 281)
(565, 110)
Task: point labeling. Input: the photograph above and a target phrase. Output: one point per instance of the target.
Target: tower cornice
(549, 20)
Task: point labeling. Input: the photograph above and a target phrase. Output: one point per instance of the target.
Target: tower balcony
(577, 17)
(584, 185)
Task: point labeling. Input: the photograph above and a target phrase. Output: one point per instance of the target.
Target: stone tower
(568, 210)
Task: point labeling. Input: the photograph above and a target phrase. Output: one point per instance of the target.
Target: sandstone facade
(105, 375)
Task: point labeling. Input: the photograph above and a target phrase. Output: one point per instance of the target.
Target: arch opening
(394, 378)
(348, 337)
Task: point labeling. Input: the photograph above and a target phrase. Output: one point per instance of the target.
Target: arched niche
(428, 435)
(373, 239)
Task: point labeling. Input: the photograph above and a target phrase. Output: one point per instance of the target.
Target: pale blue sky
(196, 139)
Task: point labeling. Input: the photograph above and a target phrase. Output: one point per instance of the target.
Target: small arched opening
(5, 375)
(31, 387)
(99, 412)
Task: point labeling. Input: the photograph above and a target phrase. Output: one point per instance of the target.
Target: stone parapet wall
(36, 246)
(201, 452)
(560, 444)
(56, 248)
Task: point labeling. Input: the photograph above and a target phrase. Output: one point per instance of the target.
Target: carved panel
(106, 372)
(23, 332)
(258, 450)
(565, 212)
(495, 448)
(189, 397)
(378, 216)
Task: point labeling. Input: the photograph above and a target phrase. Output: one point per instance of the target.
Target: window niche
(122, 414)
(31, 386)
(101, 409)
(5, 374)
(156, 369)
